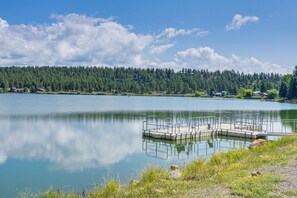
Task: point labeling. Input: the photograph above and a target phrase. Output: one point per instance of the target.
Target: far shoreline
(154, 95)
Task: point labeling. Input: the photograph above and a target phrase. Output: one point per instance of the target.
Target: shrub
(272, 94)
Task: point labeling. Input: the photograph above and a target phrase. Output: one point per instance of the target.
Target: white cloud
(160, 49)
(81, 40)
(72, 40)
(207, 58)
(3, 24)
(239, 20)
(172, 32)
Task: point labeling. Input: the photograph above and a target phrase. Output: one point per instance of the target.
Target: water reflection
(140, 115)
(69, 146)
(186, 149)
(77, 141)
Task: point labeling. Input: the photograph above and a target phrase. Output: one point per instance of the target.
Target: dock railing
(246, 123)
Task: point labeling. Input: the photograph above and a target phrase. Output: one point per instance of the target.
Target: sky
(243, 35)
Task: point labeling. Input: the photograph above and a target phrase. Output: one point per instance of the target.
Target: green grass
(223, 175)
(292, 193)
(48, 194)
(109, 189)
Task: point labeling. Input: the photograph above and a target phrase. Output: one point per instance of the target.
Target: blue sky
(249, 36)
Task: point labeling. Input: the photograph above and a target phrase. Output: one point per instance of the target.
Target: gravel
(290, 174)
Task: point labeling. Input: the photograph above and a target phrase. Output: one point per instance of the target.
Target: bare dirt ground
(287, 188)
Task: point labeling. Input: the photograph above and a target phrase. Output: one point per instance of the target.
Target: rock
(158, 190)
(190, 178)
(173, 167)
(255, 173)
(257, 143)
(175, 174)
(134, 182)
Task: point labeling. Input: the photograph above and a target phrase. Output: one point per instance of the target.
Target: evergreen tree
(292, 92)
(283, 90)
(133, 80)
(263, 87)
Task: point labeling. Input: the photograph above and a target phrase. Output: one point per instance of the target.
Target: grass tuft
(153, 174)
(110, 189)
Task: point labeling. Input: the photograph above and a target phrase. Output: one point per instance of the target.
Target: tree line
(288, 87)
(134, 80)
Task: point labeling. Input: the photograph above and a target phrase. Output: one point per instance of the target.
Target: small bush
(109, 189)
(193, 169)
(153, 174)
(272, 94)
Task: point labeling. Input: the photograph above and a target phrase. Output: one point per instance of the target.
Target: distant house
(217, 94)
(41, 89)
(259, 93)
(15, 90)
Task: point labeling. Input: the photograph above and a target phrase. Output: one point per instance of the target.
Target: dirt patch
(289, 172)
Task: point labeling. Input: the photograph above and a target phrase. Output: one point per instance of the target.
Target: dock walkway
(193, 128)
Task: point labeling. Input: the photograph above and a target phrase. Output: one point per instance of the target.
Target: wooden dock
(204, 131)
(195, 128)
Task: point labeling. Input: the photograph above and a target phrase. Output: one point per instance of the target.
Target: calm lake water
(75, 141)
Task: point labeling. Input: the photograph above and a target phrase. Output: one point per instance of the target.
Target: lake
(74, 141)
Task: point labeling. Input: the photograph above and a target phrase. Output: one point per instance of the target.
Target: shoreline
(242, 172)
(294, 101)
(134, 94)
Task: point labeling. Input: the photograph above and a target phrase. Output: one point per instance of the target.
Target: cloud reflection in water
(70, 145)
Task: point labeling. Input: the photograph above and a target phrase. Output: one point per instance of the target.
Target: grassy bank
(225, 174)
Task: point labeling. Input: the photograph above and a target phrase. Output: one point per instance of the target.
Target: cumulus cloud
(81, 40)
(160, 49)
(207, 58)
(3, 24)
(239, 20)
(74, 39)
(172, 32)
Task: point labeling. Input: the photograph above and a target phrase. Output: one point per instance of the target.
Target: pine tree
(283, 90)
(263, 87)
(292, 92)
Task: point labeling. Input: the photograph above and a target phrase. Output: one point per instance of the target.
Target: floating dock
(251, 127)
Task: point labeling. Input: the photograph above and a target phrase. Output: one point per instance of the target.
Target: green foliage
(110, 189)
(248, 93)
(283, 90)
(291, 193)
(254, 186)
(287, 78)
(152, 174)
(272, 94)
(200, 93)
(131, 80)
(242, 92)
(1, 90)
(245, 93)
(292, 92)
(194, 169)
(263, 87)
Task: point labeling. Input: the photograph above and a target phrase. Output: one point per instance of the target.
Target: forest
(133, 80)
